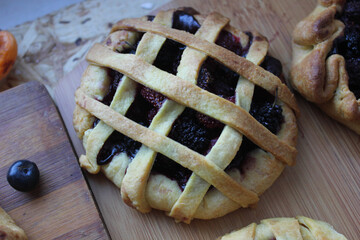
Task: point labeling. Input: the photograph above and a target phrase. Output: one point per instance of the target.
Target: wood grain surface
(51, 46)
(323, 185)
(61, 207)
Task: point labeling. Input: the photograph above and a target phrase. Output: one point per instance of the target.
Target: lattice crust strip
(132, 175)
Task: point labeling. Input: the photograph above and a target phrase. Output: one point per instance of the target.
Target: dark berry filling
(190, 132)
(215, 77)
(115, 80)
(348, 45)
(169, 56)
(184, 20)
(165, 166)
(154, 98)
(272, 65)
(267, 113)
(140, 112)
(115, 144)
(150, 17)
(232, 43)
(218, 79)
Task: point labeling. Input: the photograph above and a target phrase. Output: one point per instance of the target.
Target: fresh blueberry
(23, 175)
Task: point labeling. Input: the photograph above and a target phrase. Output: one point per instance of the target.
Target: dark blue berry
(268, 115)
(272, 65)
(23, 175)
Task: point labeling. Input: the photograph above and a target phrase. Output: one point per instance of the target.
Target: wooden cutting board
(323, 185)
(61, 207)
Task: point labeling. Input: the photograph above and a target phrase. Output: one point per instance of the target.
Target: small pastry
(286, 228)
(8, 228)
(326, 60)
(176, 111)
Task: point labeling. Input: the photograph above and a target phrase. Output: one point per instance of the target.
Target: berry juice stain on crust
(190, 132)
(117, 142)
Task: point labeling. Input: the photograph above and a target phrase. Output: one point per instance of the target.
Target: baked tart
(326, 60)
(175, 110)
(286, 228)
(8, 228)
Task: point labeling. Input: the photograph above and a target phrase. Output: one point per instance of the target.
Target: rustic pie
(326, 60)
(186, 114)
(286, 228)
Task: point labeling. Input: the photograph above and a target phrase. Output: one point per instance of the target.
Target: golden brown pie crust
(286, 228)
(139, 187)
(319, 79)
(8, 228)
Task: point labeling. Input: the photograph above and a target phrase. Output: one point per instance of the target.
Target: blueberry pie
(326, 60)
(286, 228)
(8, 228)
(176, 112)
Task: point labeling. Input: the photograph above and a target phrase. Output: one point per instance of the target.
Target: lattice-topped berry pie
(286, 228)
(326, 60)
(175, 110)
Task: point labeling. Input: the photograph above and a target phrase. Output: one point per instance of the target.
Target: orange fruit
(8, 53)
